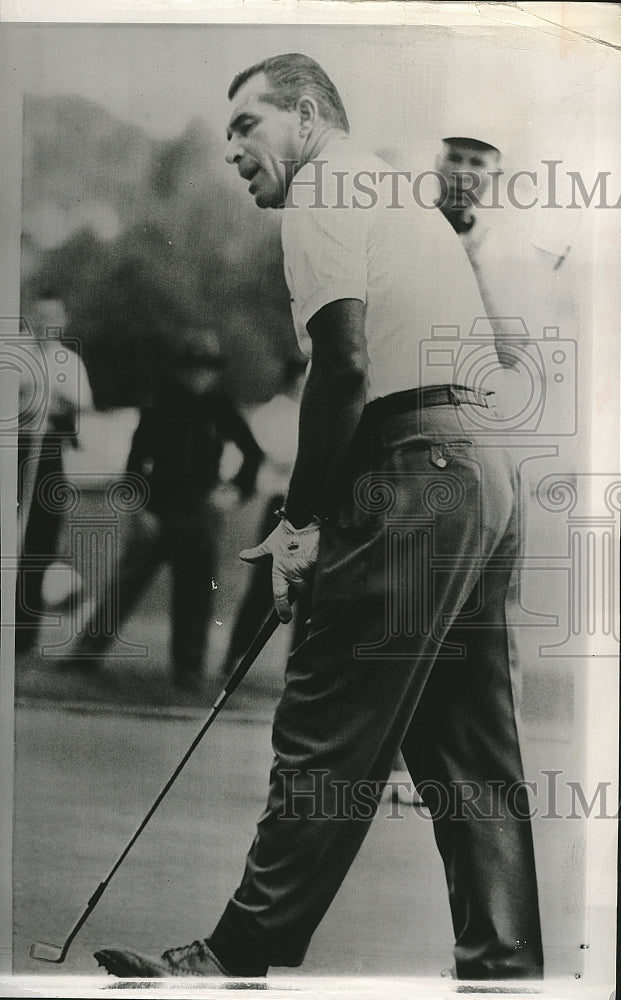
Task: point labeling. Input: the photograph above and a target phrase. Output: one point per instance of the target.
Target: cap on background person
(475, 125)
(461, 140)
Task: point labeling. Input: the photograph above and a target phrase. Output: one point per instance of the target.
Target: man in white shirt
(61, 390)
(406, 529)
(522, 282)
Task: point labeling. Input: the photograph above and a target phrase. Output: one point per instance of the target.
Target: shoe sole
(116, 968)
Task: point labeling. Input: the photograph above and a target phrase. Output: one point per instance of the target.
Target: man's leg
(344, 712)
(463, 754)
(40, 544)
(405, 554)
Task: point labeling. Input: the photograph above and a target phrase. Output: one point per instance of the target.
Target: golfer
(406, 529)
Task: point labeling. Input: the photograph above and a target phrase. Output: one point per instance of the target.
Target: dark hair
(292, 75)
(461, 140)
(48, 293)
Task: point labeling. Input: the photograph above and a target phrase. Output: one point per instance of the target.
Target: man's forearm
(496, 290)
(331, 408)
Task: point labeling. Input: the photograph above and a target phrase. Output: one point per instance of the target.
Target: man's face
(199, 379)
(465, 167)
(261, 138)
(49, 318)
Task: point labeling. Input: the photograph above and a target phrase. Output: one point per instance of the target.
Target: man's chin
(265, 196)
(455, 202)
(266, 201)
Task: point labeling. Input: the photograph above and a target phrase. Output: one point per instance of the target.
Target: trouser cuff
(237, 953)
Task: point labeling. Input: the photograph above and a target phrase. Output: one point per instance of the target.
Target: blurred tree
(192, 250)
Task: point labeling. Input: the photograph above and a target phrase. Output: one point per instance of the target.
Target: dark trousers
(185, 539)
(408, 648)
(40, 537)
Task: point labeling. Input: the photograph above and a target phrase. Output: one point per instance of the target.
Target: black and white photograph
(310, 399)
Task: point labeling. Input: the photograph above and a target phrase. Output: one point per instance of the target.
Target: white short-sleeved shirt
(341, 240)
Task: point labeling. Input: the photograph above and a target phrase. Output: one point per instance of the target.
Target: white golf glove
(294, 554)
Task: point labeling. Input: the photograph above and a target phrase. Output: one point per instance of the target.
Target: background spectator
(177, 448)
(64, 385)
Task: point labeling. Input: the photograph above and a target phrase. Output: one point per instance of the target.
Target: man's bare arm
(332, 404)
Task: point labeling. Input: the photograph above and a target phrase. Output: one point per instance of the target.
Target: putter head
(47, 952)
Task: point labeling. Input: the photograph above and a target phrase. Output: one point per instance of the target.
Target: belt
(419, 399)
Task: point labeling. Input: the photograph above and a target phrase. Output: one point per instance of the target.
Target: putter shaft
(45, 952)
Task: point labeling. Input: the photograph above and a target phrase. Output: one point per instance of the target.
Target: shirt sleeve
(325, 256)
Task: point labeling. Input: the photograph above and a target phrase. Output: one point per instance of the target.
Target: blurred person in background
(518, 277)
(467, 166)
(275, 427)
(177, 448)
(525, 283)
(517, 281)
(41, 476)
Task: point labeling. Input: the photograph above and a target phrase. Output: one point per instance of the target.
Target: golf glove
(294, 554)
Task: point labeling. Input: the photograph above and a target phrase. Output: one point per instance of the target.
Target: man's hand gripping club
(294, 554)
(332, 405)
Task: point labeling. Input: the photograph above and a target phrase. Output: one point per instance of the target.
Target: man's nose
(233, 152)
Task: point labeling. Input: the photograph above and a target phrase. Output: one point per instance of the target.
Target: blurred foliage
(190, 249)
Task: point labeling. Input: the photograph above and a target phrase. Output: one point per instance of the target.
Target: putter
(45, 952)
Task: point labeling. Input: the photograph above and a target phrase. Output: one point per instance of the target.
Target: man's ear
(308, 112)
(442, 165)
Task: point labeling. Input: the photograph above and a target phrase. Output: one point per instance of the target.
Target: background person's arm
(518, 290)
(332, 404)
(234, 427)
(141, 450)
